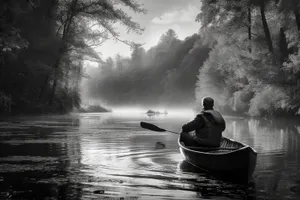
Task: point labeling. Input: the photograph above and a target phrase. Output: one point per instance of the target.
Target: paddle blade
(151, 127)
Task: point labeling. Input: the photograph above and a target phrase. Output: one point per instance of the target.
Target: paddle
(152, 127)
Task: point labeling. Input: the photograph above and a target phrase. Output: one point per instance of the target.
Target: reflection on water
(102, 156)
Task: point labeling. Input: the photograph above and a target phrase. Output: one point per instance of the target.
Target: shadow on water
(35, 158)
(210, 185)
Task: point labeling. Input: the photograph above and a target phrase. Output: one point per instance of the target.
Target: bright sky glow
(162, 15)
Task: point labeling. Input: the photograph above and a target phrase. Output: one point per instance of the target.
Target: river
(108, 156)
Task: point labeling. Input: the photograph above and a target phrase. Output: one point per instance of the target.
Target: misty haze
(140, 99)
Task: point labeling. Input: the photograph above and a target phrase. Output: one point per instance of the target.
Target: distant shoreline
(93, 108)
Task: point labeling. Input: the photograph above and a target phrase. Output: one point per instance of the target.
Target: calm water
(108, 156)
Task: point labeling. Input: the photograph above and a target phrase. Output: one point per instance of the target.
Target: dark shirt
(208, 127)
(197, 123)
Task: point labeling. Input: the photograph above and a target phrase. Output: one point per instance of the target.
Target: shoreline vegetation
(44, 46)
(246, 56)
(92, 108)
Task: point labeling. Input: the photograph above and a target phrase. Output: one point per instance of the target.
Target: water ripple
(101, 156)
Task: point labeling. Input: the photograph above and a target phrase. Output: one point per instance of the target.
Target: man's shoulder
(215, 115)
(199, 116)
(212, 112)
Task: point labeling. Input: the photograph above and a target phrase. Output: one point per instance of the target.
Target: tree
(265, 25)
(167, 44)
(137, 55)
(256, 81)
(43, 46)
(293, 6)
(24, 49)
(224, 16)
(94, 19)
(141, 80)
(168, 37)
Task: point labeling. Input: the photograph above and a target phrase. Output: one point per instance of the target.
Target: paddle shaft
(173, 132)
(152, 127)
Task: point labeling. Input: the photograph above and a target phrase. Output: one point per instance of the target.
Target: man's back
(208, 127)
(211, 132)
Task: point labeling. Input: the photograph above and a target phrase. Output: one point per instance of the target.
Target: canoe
(231, 160)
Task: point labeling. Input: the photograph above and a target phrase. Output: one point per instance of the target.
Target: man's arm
(197, 123)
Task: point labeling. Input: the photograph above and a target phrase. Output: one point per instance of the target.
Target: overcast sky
(161, 16)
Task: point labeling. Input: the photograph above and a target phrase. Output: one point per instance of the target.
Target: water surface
(108, 156)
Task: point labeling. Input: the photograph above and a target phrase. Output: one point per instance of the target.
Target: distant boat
(152, 112)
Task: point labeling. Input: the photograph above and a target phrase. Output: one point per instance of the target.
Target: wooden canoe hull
(238, 164)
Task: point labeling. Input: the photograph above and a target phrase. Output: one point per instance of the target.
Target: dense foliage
(43, 45)
(253, 67)
(165, 75)
(246, 56)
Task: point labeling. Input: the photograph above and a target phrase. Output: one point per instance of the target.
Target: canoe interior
(226, 145)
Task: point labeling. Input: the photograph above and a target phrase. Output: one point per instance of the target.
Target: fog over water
(183, 112)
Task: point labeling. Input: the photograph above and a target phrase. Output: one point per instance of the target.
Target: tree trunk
(249, 28)
(283, 46)
(67, 76)
(43, 88)
(67, 25)
(55, 77)
(296, 13)
(265, 26)
(1, 65)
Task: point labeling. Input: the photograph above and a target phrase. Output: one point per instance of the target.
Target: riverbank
(50, 111)
(92, 108)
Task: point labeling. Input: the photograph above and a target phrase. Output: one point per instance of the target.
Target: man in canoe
(206, 129)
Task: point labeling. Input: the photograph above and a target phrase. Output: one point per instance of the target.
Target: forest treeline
(253, 67)
(43, 45)
(246, 56)
(163, 76)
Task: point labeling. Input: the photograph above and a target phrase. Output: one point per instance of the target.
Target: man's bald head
(208, 103)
